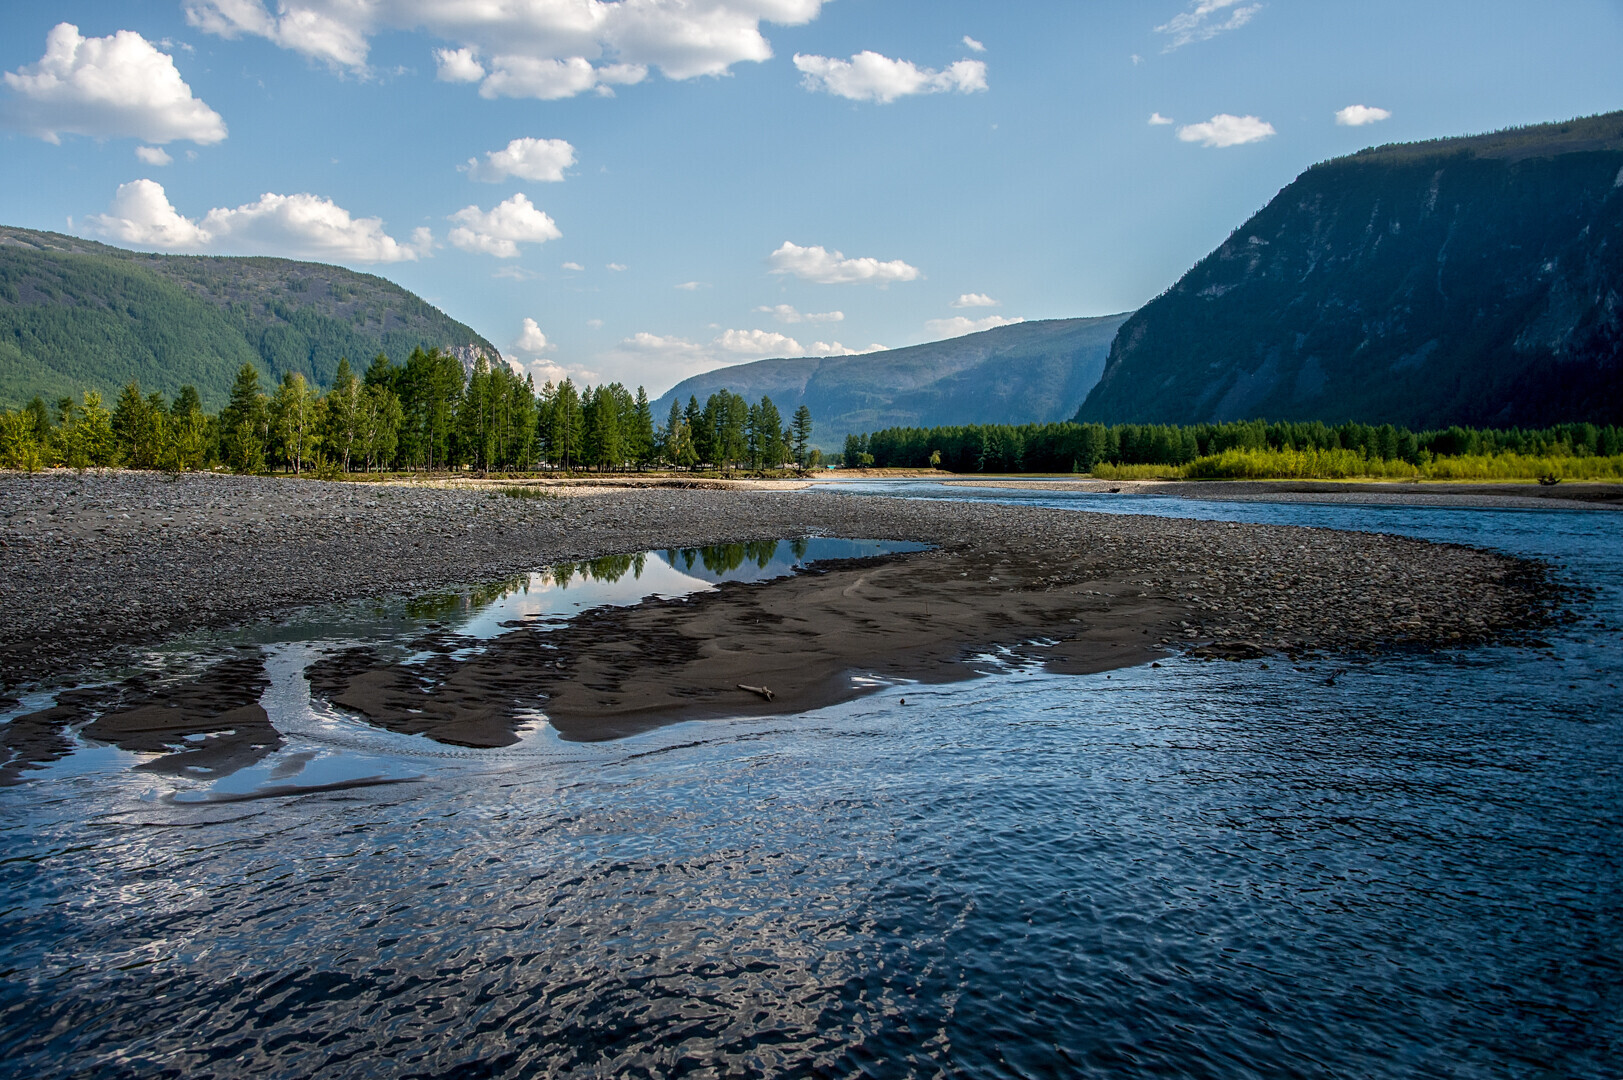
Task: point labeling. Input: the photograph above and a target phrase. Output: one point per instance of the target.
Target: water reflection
(209, 706)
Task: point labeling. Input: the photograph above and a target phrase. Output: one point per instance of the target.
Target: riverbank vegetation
(1252, 450)
(429, 414)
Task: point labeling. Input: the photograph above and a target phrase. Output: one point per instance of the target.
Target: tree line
(426, 415)
(1073, 447)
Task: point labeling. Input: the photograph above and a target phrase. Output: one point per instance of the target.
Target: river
(1407, 866)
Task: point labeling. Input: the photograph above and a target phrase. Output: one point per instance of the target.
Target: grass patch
(514, 491)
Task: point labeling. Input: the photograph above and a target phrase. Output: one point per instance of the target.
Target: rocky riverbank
(100, 561)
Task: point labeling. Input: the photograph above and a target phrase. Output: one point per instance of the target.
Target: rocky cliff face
(1471, 281)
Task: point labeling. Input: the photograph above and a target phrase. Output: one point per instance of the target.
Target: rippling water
(1409, 869)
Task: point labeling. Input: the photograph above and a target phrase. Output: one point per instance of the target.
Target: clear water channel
(1404, 867)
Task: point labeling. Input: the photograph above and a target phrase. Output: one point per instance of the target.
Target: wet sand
(101, 564)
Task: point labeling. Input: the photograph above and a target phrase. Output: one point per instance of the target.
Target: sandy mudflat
(96, 562)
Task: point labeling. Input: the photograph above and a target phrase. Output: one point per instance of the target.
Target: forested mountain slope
(1472, 280)
(77, 315)
(1023, 373)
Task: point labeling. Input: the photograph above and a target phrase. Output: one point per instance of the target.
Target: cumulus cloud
(500, 230)
(1204, 20)
(108, 87)
(834, 348)
(679, 354)
(974, 299)
(787, 313)
(1359, 115)
(536, 48)
(958, 325)
(300, 226)
(1225, 130)
(759, 343)
(1157, 120)
(972, 45)
(868, 76)
(540, 78)
(458, 65)
(531, 340)
(153, 155)
(616, 267)
(833, 268)
(572, 266)
(693, 286)
(542, 160)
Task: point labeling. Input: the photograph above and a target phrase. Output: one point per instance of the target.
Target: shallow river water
(1411, 866)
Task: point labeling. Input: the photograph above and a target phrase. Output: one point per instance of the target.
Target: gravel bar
(97, 561)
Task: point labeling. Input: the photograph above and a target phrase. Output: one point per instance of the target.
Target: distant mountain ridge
(1022, 373)
(1476, 280)
(76, 315)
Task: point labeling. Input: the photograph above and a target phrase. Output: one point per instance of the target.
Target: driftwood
(763, 691)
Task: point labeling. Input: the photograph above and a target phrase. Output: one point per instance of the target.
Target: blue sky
(644, 189)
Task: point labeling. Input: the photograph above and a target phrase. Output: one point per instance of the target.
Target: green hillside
(1023, 373)
(1473, 281)
(77, 315)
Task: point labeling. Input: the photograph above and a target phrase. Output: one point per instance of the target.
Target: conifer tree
(800, 434)
(640, 433)
(243, 421)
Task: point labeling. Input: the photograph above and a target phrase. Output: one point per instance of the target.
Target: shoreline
(99, 566)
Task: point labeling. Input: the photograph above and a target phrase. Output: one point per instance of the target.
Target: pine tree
(242, 423)
(770, 438)
(801, 432)
(564, 438)
(187, 444)
(640, 434)
(138, 425)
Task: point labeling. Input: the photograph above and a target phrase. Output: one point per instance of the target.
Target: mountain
(1022, 373)
(1472, 280)
(77, 315)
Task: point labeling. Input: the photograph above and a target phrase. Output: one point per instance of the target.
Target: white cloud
(974, 299)
(510, 272)
(300, 226)
(1157, 120)
(595, 324)
(973, 45)
(958, 325)
(458, 65)
(787, 313)
(868, 76)
(1359, 115)
(693, 286)
(502, 229)
(616, 267)
(683, 355)
(154, 155)
(542, 160)
(545, 371)
(759, 343)
(107, 87)
(834, 348)
(531, 340)
(541, 78)
(1198, 24)
(572, 266)
(1225, 130)
(536, 48)
(833, 268)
